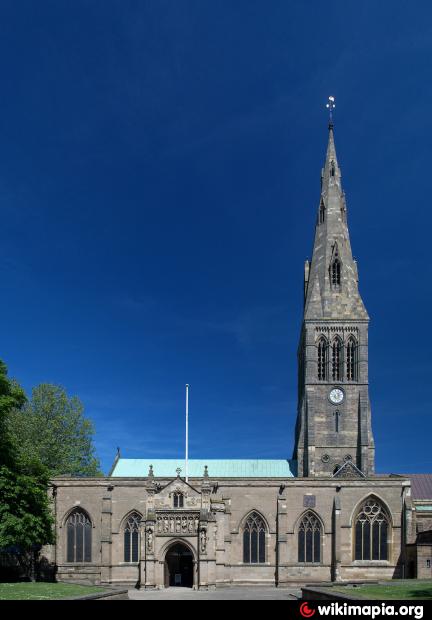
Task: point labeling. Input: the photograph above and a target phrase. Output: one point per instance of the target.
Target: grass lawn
(403, 590)
(44, 591)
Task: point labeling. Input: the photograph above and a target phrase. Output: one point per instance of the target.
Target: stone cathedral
(324, 515)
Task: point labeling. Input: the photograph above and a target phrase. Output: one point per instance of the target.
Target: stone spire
(334, 415)
(331, 279)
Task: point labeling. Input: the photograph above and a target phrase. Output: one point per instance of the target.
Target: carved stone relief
(183, 524)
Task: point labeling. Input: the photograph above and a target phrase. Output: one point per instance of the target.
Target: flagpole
(187, 432)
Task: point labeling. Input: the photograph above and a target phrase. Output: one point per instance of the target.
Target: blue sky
(159, 180)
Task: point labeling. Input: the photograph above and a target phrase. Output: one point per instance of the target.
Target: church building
(324, 515)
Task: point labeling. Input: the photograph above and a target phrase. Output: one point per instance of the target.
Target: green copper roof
(237, 468)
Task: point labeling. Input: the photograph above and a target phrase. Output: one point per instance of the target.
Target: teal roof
(237, 468)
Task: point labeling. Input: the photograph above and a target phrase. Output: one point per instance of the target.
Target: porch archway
(179, 566)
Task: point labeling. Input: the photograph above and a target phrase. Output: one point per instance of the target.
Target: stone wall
(216, 542)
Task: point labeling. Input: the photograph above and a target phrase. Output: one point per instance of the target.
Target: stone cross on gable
(178, 471)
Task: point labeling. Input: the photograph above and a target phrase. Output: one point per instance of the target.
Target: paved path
(236, 593)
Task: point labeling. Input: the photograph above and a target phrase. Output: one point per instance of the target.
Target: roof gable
(348, 470)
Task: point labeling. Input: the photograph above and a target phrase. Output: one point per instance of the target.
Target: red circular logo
(306, 611)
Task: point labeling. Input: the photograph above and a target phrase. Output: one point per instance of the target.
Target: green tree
(51, 428)
(12, 398)
(26, 521)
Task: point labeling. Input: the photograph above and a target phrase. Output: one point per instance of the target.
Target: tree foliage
(25, 513)
(26, 521)
(51, 428)
(12, 397)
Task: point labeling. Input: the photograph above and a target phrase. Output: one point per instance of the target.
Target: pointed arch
(371, 526)
(243, 520)
(336, 359)
(306, 511)
(352, 359)
(78, 526)
(172, 542)
(131, 536)
(309, 536)
(180, 562)
(371, 496)
(125, 518)
(74, 509)
(254, 528)
(322, 353)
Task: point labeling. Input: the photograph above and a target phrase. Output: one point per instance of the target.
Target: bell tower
(334, 418)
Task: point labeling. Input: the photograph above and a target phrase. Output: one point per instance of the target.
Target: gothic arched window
(254, 536)
(351, 360)
(322, 359)
(336, 359)
(371, 532)
(132, 537)
(309, 539)
(79, 537)
(178, 500)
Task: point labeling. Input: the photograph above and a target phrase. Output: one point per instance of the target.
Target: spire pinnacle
(331, 149)
(330, 107)
(331, 173)
(331, 280)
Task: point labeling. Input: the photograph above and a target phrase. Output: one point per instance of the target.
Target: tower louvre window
(336, 360)
(351, 360)
(322, 359)
(332, 169)
(335, 272)
(322, 212)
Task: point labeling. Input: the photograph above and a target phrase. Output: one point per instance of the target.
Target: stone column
(148, 547)
(202, 551)
(281, 538)
(408, 533)
(336, 543)
(142, 554)
(106, 536)
(206, 538)
(148, 578)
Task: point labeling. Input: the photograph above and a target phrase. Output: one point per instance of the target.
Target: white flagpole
(187, 432)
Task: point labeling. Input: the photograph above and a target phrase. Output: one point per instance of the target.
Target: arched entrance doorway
(179, 566)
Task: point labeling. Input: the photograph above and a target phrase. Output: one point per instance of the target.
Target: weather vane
(330, 107)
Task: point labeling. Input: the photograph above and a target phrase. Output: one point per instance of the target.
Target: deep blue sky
(159, 180)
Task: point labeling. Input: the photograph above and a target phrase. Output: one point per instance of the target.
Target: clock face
(336, 396)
